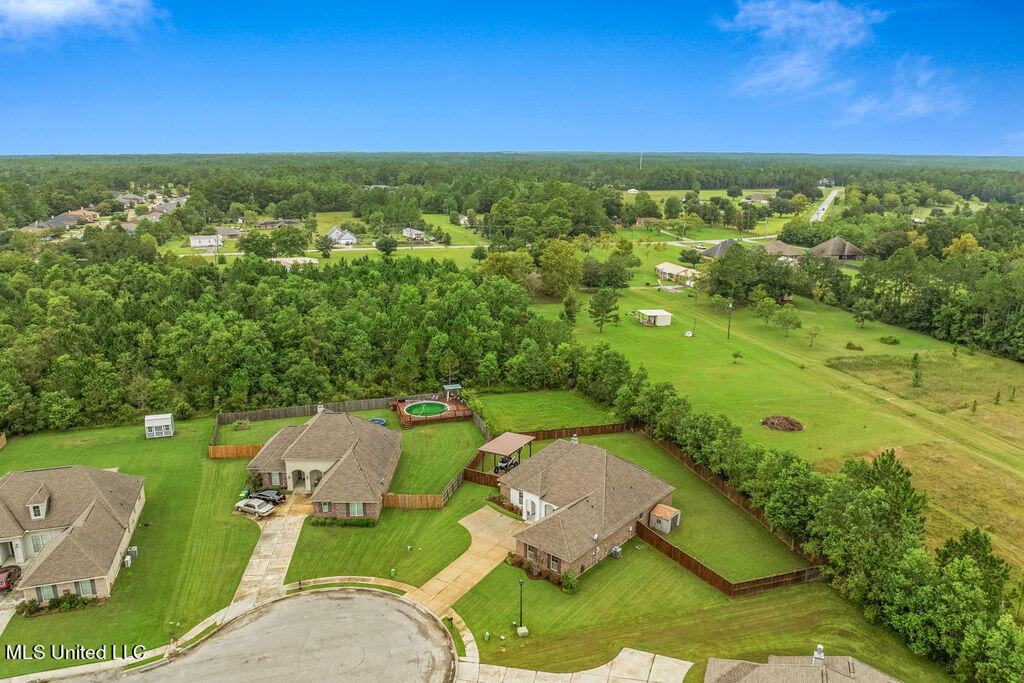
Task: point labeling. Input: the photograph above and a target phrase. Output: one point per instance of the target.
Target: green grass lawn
(432, 454)
(191, 554)
(460, 235)
(325, 220)
(712, 529)
(533, 410)
(258, 432)
(436, 538)
(648, 602)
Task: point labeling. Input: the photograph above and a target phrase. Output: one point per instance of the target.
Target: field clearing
(460, 235)
(191, 556)
(712, 529)
(258, 432)
(325, 220)
(532, 410)
(648, 602)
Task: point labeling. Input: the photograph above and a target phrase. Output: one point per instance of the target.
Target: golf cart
(506, 463)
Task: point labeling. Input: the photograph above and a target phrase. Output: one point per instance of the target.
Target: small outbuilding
(665, 518)
(653, 317)
(676, 273)
(205, 241)
(414, 234)
(159, 425)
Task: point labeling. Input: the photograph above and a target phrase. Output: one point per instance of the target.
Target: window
(530, 551)
(47, 592)
(520, 496)
(355, 509)
(325, 507)
(275, 478)
(37, 511)
(87, 587)
(554, 563)
(39, 539)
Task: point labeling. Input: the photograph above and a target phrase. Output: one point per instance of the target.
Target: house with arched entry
(344, 463)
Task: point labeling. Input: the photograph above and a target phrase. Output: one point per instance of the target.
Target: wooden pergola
(504, 445)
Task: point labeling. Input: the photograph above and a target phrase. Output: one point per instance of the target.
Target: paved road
(347, 634)
(819, 213)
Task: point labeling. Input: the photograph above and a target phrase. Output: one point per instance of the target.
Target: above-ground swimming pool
(426, 408)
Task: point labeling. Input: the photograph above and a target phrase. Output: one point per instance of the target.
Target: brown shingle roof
(782, 249)
(839, 248)
(364, 455)
(794, 670)
(506, 444)
(595, 490)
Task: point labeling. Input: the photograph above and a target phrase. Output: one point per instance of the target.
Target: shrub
(530, 567)
(570, 582)
(517, 561)
(331, 521)
(241, 425)
(27, 608)
(183, 411)
(890, 340)
(221, 259)
(854, 347)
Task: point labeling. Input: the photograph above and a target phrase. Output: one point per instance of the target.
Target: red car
(8, 577)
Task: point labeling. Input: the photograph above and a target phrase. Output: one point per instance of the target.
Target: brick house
(68, 528)
(345, 463)
(581, 501)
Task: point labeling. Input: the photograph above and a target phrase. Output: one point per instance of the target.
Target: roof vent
(819, 654)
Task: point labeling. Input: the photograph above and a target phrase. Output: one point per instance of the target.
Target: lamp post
(520, 602)
(728, 329)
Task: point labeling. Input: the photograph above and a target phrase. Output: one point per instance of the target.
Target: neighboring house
(130, 226)
(270, 225)
(229, 232)
(839, 249)
(676, 273)
(780, 248)
(632, 190)
(719, 249)
(68, 528)
(86, 214)
(205, 241)
(64, 220)
(463, 220)
(344, 462)
(152, 216)
(816, 668)
(289, 261)
(129, 200)
(159, 425)
(757, 198)
(644, 220)
(171, 205)
(413, 234)
(342, 236)
(582, 501)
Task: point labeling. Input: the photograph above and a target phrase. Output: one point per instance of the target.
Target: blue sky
(828, 76)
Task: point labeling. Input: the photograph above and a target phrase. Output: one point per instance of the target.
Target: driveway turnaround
(344, 634)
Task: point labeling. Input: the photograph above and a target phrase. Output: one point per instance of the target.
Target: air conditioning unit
(617, 552)
(133, 551)
(127, 560)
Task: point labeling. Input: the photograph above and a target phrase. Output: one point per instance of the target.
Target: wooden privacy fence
(716, 580)
(310, 410)
(417, 501)
(477, 477)
(567, 432)
(247, 451)
(3, 439)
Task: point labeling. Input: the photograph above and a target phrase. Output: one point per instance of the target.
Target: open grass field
(648, 602)
(325, 220)
(191, 554)
(258, 432)
(436, 538)
(432, 454)
(532, 410)
(844, 415)
(711, 528)
(460, 235)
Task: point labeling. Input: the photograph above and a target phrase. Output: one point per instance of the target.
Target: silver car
(254, 507)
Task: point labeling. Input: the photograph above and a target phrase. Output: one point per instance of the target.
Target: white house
(159, 425)
(654, 317)
(676, 273)
(342, 236)
(632, 190)
(463, 220)
(209, 241)
(413, 234)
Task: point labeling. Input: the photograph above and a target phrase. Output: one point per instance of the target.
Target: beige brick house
(581, 501)
(68, 528)
(345, 463)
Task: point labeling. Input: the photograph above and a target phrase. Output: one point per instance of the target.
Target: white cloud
(801, 44)
(27, 18)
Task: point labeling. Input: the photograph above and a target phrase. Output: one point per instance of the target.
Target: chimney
(575, 439)
(819, 654)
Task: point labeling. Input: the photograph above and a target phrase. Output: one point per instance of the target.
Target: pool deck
(456, 411)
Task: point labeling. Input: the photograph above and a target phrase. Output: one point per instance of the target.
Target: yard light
(520, 602)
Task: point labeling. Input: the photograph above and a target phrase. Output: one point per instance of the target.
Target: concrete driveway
(345, 634)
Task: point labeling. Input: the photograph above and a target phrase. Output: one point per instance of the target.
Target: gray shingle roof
(838, 247)
(96, 506)
(720, 248)
(794, 670)
(595, 491)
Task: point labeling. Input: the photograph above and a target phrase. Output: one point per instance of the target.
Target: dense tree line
(33, 188)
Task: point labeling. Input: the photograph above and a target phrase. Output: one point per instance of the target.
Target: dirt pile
(782, 423)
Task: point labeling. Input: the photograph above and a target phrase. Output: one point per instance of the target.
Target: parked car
(255, 507)
(8, 577)
(270, 495)
(701, 246)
